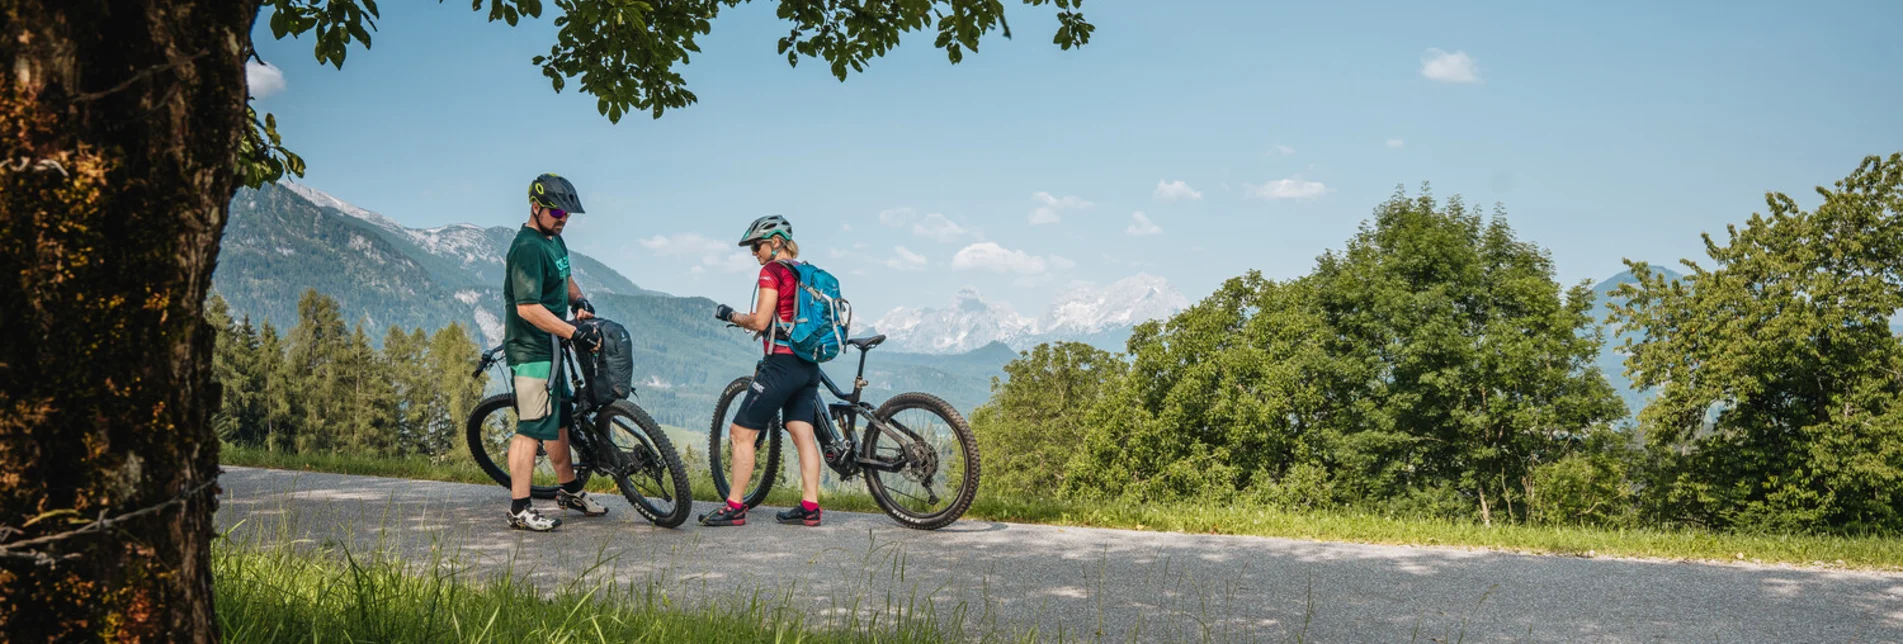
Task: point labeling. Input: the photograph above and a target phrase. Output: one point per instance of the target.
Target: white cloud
(989, 256)
(1171, 190)
(1456, 67)
(845, 228)
(1141, 225)
(1282, 151)
(836, 253)
(263, 79)
(896, 217)
(1289, 189)
(736, 262)
(714, 255)
(906, 260)
(933, 225)
(1396, 144)
(1058, 262)
(1051, 211)
(683, 244)
(939, 227)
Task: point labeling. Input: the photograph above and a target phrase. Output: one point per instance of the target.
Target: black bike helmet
(550, 190)
(767, 227)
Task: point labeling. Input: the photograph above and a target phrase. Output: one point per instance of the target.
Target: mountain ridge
(1102, 316)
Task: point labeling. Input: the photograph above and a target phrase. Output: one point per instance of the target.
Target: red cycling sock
(809, 506)
(737, 507)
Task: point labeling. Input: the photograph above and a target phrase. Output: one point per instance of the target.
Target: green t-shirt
(536, 272)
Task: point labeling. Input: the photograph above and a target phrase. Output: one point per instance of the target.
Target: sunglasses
(556, 213)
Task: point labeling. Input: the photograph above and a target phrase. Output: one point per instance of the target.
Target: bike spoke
(930, 457)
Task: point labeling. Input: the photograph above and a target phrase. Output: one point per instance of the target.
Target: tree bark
(120, 122)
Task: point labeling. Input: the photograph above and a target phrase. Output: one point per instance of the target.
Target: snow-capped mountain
(323, 200)
(1097, 315)
(469, 254)
(1124, 303)
(970, 323)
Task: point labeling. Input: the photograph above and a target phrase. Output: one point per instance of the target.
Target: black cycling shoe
(799, 515)
(725, 516)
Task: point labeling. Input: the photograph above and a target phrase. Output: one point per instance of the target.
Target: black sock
(572, 486)
(516, 506)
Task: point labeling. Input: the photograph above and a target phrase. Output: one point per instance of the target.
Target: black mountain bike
(642, 461)
(919, 457)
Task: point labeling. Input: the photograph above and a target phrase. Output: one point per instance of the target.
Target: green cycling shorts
(535, 405)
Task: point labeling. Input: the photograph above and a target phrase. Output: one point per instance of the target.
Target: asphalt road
(1085, 583)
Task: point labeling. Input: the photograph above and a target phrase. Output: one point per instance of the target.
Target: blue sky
(1608, 130)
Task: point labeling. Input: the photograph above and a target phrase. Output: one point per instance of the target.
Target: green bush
(1304, 487)
(1036, 418)
(1582, 489)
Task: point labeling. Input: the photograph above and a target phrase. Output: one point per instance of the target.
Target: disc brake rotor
(923, 462)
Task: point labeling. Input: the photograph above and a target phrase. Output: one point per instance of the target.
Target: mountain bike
(618, 440)
(918, 452)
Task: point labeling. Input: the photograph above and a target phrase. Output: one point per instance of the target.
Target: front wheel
(766, 447)
(644, 464)
(488, 432)
(938, 476)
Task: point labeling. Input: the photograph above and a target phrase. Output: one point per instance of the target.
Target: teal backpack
(820, 316)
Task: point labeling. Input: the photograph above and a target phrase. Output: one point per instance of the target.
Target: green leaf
(295, 162)
(356, 29)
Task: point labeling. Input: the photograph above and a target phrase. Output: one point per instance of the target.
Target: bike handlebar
(756, 334)
(488, 360)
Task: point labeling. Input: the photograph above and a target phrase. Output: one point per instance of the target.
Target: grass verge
(1854, 552)
(289, 594)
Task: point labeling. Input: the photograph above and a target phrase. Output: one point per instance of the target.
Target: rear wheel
(488, 432)
(766, 447)
(939, 478)
(644, 464)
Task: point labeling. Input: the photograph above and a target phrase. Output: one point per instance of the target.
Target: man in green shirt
(538, 289)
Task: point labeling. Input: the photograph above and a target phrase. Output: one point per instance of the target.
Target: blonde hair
(791, 248)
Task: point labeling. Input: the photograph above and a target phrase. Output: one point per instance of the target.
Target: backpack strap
(782, 331)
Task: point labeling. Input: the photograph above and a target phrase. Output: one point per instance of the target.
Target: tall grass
(291, 592)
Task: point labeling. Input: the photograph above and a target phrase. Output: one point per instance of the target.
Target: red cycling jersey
(778, 277)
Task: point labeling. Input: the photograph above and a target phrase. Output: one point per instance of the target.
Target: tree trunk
(120, 122)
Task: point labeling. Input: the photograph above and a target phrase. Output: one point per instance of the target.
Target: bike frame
(849, 412)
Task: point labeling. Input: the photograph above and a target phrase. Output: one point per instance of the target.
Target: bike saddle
(866, 344)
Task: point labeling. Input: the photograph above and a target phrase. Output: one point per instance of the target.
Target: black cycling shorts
(784, 384)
